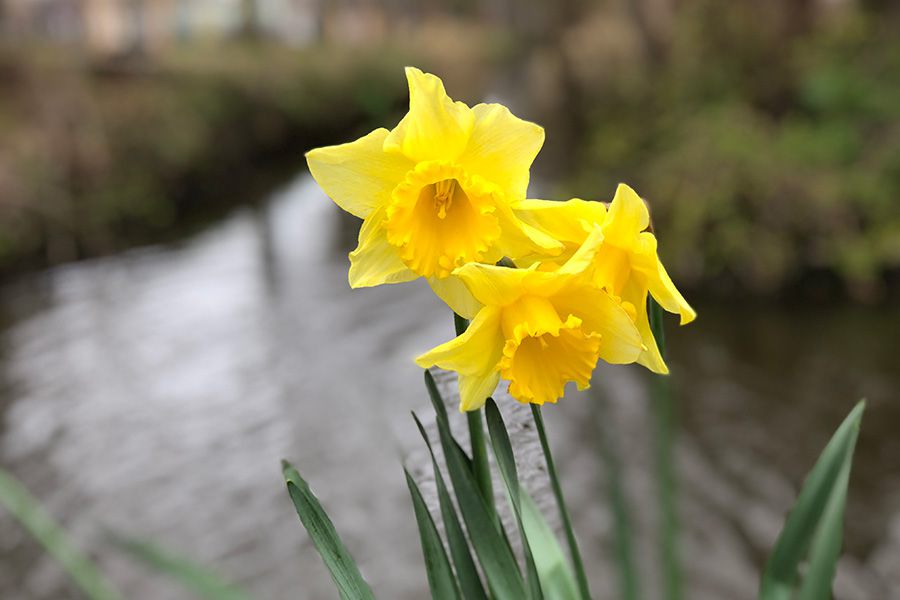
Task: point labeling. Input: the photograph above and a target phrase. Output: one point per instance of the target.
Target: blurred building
(111, 27)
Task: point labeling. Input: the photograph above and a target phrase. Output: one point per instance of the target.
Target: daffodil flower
(538, 330)
(622, 253)
(435, 192)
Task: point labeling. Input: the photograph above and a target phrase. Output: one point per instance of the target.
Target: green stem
(664, 417)
(561, 504)
(480, 464)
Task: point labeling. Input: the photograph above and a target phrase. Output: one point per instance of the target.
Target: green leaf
(491, 548)
(466, 573)
(507, 463)
(441, 581)
(340, 564)
(199, 580)
(26, 509)
(813, 530)
(557, 579)
(436, 400)
(569, 531)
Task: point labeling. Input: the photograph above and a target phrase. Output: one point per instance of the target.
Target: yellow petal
(474, 355)
(436, 127)
(650, 357)
(568, 221)
(474, 390)
(520, 240)
(663, 291)
(375, 261)
(456, 295)
(583, 259)
(360, 175)
(493, 286)
(499, 286)
(645, 262)
(628, 216)
(530, 315)
(502, 148)
(603, 314)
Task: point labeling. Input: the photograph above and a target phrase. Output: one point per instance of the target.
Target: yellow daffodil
(623, 255)
(538, 330)
(436, 191)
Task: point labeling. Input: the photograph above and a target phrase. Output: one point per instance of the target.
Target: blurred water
(154, 392)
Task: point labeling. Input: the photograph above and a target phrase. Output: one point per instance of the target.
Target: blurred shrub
(97, 157)
(769, 154)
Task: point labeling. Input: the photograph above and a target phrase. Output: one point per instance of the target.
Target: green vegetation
(769, 154)
(96, 157)
(812, 531)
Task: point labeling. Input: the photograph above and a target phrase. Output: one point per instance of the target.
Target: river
(153, 392)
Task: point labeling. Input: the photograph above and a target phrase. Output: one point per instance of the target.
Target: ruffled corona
(538, 360)
(440, 217)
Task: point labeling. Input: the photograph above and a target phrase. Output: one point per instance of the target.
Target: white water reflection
(155, 392)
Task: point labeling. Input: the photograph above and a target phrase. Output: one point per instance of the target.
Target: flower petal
(456, 295)
(500, 286)
(650, 269)
(360, 175)
(583, 258)
(474, 355)
(474, 390)
(375, 261)
(436, 127)
(502, 148)
(627, 217)
(603, 314)
(522, 241)
(650, 357)
(493, 286)
(568, 221)
(663, 291)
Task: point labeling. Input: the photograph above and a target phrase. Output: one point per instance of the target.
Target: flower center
(539, 364)
(440, 217)
(443, 196)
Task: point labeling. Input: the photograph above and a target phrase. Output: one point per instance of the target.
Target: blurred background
(175, 316)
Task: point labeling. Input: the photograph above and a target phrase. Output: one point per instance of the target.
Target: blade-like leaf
(203, 582)
(436, 400)
(506, 461)
(574, 552)
(341, 565)
(28, 512)
(492, 550)
(813, 528)
(441, 581)
(557, 579)
(440, 410)
(466, 573)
